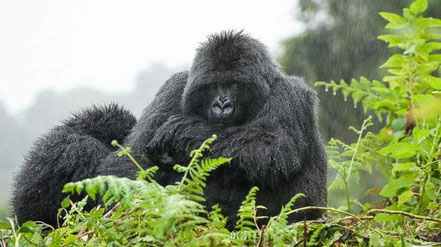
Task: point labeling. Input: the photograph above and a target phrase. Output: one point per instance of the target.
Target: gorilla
(265, 120)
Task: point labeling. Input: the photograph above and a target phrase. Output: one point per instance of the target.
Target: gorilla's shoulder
(176, 82)
(300, 88)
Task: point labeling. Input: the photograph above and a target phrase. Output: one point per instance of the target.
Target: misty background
(57, 57)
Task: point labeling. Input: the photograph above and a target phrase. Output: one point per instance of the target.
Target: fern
(247, 211)
(283, 215)
(112, 189)
(217, 220)
(193, 183)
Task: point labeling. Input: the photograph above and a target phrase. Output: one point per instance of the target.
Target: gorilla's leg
(70, 152)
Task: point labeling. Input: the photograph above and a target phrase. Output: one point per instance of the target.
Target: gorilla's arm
(165, 105)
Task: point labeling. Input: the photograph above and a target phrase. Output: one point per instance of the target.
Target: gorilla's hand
(176, 138)
(266, 156)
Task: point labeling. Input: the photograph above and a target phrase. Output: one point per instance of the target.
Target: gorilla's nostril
(222, 99)
(222, 102)
(227, 104)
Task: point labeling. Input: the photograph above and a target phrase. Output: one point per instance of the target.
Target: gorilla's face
(222, 102)
(227, 103)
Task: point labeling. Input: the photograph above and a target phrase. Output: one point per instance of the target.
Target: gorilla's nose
(222, 107)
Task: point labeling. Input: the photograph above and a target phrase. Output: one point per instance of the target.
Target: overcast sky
(61, 44)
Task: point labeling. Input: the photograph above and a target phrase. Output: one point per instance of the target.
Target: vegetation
(406, 211)
(339, 43)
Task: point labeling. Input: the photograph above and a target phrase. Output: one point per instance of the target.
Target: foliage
(406, 151)
(339, 43)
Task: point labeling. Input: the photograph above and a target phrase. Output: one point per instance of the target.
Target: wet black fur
(277, 148)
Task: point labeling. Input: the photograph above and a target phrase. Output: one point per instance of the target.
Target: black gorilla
(264, 120)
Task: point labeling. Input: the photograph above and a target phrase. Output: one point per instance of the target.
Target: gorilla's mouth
(222, 118)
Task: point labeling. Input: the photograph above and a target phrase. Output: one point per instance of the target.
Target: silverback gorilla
(264, 120)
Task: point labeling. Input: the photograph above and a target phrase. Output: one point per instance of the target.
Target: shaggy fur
(276, 148)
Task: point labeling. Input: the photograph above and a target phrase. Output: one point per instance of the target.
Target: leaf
(391, 188)
(404, 167)
(430, 191)
(4, 225)
(386, 218)
(432, 206)
(393, 40)
(419, 6)
(423, 23)
(65, 202)
(398, 124)
(399, 150)
(392, 18)
(27, 227)
(420, 135)
(435, 82)
(404, 197)
(395, 61)
(375, 239)
(433, 46)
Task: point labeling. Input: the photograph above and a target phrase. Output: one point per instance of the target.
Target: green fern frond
(193, 183)
(147, 174)
(283, 215)
(111, 188)
(246, 212)
(216, 219)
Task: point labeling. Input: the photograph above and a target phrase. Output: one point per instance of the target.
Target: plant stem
(126, 153)
(427, 166)
(410, 215)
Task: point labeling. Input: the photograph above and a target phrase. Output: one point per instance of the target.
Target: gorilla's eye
(235, 86)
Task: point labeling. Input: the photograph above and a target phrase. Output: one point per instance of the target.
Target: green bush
(406, 151)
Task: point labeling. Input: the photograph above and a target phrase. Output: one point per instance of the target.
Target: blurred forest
(339, 42)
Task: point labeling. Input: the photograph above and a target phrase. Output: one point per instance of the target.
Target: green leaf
(433, 46)
(435, 82)
(432, 206)
(396, 61)
(393, 18)
(376, 240)
(422, 23)
(430, 191)
(4, 225)
(419, 6)
(399, 150)
(386, 218)
(404, 197)
(395, 21)
(420, 135)
(392, 187)
(27, 227)
(435, 57)
(404, 167)
(393, 40)
(398, 124)
(66, 202)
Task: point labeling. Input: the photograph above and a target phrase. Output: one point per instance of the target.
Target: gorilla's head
(230, 79)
